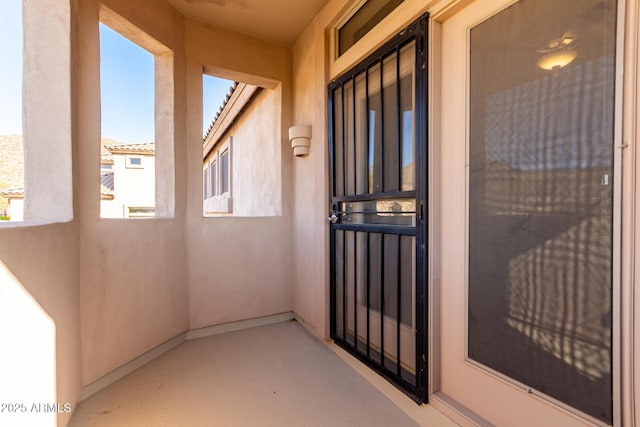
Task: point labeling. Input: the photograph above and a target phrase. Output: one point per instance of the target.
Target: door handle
(333, 218)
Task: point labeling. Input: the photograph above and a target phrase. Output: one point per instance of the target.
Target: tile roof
(106, 185)
(12, 193)
(145, 147)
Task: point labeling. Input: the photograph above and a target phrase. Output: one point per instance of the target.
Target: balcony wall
(239, 267)
(132, 272)
(39, 296)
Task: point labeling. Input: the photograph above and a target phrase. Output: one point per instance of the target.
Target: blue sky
(126, 79)
(126, 73)
(11, 68)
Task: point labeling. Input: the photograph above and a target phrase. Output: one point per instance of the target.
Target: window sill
(218, 204)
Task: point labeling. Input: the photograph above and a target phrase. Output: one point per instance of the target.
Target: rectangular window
(217, 180)
(362, 21)
(541, 143)
(205, 180)
(224, 173)
(214, 178)
(134, 162)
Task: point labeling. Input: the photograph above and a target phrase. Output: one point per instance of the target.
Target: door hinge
(421, 210)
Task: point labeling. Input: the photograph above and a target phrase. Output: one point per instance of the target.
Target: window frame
(216, 201)
(164, 109)
(129, 161)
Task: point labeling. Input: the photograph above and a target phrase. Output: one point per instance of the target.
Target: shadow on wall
(28, 359)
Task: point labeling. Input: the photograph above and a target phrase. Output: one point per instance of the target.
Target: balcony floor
(275, 375)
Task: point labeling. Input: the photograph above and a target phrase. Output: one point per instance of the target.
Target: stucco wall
(39, 301)
(310, 183)
(132, 272)
(239, 268)
(39, 319)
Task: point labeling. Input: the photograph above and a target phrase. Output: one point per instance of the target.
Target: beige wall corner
(239, 267)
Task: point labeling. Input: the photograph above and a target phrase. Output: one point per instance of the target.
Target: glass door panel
(541, 104)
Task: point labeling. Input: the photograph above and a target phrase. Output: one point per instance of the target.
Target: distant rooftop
(12, 193)
(145, 147)
(106, 185)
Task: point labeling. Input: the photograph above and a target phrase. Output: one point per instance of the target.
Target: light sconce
(300, 137)
(559, 53)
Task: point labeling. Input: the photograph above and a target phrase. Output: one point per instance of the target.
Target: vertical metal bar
(355, 289)
(421, 187)
(355, 144)
(399, 118)
(344, 285)
(382, 124)
(344, 152)
(332, 231)
(368, 296)
(368, 122)
(382, 299)
(398, 312)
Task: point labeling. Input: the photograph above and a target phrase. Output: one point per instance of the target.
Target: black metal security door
(378, 155)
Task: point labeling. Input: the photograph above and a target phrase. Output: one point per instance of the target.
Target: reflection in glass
(380, 211)
(370, 14)
(407, 108)
(338, 144)
(349, 146)
(349, 283)
(391, 167)
(361, 161)
(339, 283)
(375, 130)
(540, 200)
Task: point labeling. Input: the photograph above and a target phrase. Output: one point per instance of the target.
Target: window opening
(127, 83)
(242, 147)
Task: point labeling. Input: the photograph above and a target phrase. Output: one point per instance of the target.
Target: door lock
(333, 218)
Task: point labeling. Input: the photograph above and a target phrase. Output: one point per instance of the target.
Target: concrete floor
(275, 375)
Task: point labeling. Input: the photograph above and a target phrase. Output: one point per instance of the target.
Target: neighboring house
(241, 155)
(128, 167)
(11, 174)
(15, 198)
(127, 180)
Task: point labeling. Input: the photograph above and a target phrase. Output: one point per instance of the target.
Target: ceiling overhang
(275, 21)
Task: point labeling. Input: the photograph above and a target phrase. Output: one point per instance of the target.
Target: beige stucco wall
(132, 272)
(310, 182)
(41, 341)
(239, 268)
(39, 298)
(48, 172)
